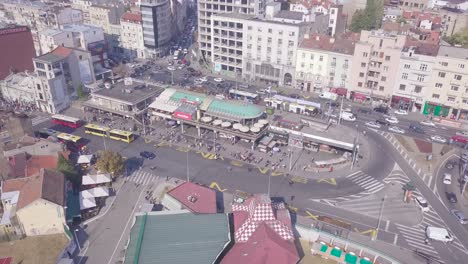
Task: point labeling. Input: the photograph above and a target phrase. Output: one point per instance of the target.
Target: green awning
(336, 252)
(364, 261)
(323, 248)
(350, 258)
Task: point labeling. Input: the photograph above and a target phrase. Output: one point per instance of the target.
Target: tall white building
(207, 8)
(413, 76)
(50, 39)
(131, 35)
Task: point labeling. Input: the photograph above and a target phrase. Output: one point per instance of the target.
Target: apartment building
(324, 63)
(105, 16)
(84, 6)
(453, 20)
(414, 4)
(375, 62)
(157, 26)
(131, 35)
(449, 84)
(49, 39)
(414, 76)
(207, 8)
(336, 18)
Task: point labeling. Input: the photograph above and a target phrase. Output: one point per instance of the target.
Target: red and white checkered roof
(260, 210)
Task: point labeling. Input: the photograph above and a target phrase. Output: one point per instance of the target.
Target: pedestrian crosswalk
(142, 177)
(365, 181)
(415, 237)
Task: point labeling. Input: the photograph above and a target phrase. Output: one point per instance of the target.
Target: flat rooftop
(130, 94)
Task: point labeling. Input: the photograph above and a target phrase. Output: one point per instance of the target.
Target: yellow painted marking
(331, 181)
(214, 185)
(372, 232)
(299, 179)
(263, 170)
(163, 144)
(306, 96)
(147, 141)
(310, 215)
(183, 149)
(236, 163)
(277, 173)
(292, 208)
(206, 155)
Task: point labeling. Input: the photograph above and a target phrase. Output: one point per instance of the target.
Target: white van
(176, 55)
(347, 116)
(329, 96)
(438, 234)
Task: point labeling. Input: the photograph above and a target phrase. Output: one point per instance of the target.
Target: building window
(404, 76)
(457, 77)
(270, 30)
(421, 78)
(385, 68)
(387, 58)
(438, 85)
(461, 66)
(435, 96)
(450, 99)
(361, 74)
(321, 58)
(381, 88)
(444, 63)
(38, 87)
(454, 88)
(363, 64)
(423, 67)
(417, 89)
(365, 54)
(384, 78)
(407, 66)
(442, 74)
(359, 84)
(402, 87)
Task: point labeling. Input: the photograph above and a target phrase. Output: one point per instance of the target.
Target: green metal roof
(177, 238)
(73, 206)
(180, 95)
(241, 110)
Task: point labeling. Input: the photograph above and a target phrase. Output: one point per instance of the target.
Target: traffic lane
(432, 199)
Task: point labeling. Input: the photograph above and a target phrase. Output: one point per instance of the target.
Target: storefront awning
(95, 192)
(339, 91)
(96, 179)
(86, 203)
(359, 96)
(84, 159)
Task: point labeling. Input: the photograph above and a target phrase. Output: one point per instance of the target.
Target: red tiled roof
(48, 185)
(6, 260)
(62, 51)
(342, 44)
(196, 198)
(311, 3)
(36, 163)
(16, 51)
(131, 17)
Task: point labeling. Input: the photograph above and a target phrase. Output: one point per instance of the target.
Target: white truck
(438, 234)
(348, 116)
(329, 96)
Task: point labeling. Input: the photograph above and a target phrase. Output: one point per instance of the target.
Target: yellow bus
(122, 135)
(73, 143)
(97, 130)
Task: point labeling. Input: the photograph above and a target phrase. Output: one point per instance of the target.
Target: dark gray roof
(286, 14)
(49, 57)
(131, 94)
(177, 238)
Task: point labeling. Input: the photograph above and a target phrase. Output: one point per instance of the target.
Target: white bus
(243, 95)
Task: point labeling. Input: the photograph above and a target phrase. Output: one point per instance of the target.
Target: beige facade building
(453, 20)
(131, 35)
(449, 84)
(375, 62)
(413, 4)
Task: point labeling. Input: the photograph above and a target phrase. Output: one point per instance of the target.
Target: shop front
(401, 102)
(359, 97)
(436, 109)
(339, 91)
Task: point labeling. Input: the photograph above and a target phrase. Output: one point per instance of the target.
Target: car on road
(171, 68)
(203, 79)
(381, 109)
(401, 112)
(373, 124)
(147, 155)
(218, 79)
(460, 216)
(422, 203)
(450, 165)
(364, 110)
(451, 197)
(447, 179)
(181, 66)
(348, 116)
(185, 51)
(382, 122)
(416, 128)
(396, 129)
(428, 123)
(392, 120)
(438, 139)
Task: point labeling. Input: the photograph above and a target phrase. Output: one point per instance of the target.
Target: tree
(110, 162)
(68, 170)
(460, 38)
(369, 18)
(80, 92)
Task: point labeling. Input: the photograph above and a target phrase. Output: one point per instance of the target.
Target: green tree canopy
(65, 167)
(369, 18)
(111, 162)
(460, 38)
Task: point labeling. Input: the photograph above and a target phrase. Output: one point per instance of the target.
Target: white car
(422, 203)
(439, 139)
(401, 112)
(180, 67)
(373, 124)
(203, 79)
(392, 120)
(447, 179)
(396, 129)
(218, 79)
(185, 51)
(427, 123)
(171, 68)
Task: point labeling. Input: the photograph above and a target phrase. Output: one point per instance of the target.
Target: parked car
(373, 124)
(428, 123)
(218, 79)
(451, 197)
(447, 178)
(422, 203)
(416, 128)
(392, 120)
(171, 68)
(401, 112)
(364, 110)
(396, 129)
(449, 165)
(381, 109)
(439, 139)
(460, 216)
(147, 155)
(382, 122)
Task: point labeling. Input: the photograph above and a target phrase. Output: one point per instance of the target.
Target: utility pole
(269, 184)
(290, 160)
(188, 172)
(341, 110)
(380, 215)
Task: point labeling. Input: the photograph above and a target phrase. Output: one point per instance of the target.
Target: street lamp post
(380, 216)
(76, 238)
(188, 171)
(290, 160)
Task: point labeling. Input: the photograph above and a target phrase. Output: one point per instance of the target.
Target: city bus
(67, 121)
(243, 95)
(121, 135)
(96, 130)
(73, 143)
